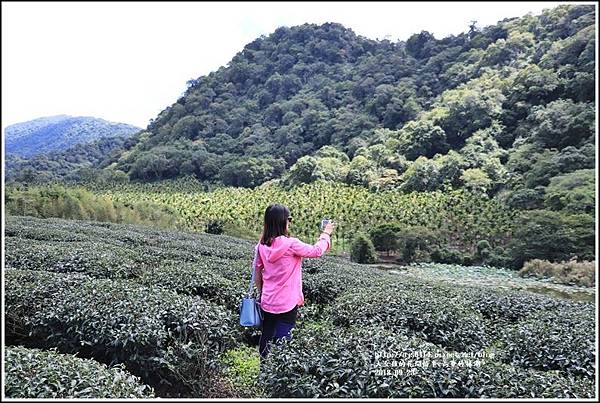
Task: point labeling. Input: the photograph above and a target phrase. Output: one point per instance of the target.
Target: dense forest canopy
(77, 163)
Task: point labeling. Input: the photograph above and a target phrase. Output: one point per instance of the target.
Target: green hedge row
(98, 260)
(412, 307)
(501, 308)
(34, 373)
(562, 339)
(332, 278)
(172, 260)
(155, 243)
(165, 338)
(341, 363)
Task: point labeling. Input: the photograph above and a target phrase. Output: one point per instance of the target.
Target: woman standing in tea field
(279, 273)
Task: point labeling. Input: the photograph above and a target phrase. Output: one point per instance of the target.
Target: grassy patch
(241, 368)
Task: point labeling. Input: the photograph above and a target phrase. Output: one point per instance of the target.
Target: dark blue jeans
(276, 326)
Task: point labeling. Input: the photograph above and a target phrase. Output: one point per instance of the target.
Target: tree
(422, 175)
(573, 192)
(362, 249)
(250, 171)
(301, 171)
(562, 123)
(385, 237)
(551, 235)
(388, 180)
(415, 240)
(468, 110)
(360, 171)
(450, 167)
(332, 152)
(534, 86)
(422, 138)
(330, 169)
(476, 180)
(473, 29)
(417, 44)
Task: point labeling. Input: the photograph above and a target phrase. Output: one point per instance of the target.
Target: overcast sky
(125, 62)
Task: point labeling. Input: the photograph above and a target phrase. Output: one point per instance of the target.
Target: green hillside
(76, 163)
(507, 106)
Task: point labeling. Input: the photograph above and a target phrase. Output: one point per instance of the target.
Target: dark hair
(276, 216)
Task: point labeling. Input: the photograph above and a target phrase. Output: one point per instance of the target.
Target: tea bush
(341, 363)
(324, 286)
(159, 335)
(89, 257)
(157, 244)
(503, 305)
(201, 278)
(413, 310)
(560, 339)
(35, 374)
(195, 279)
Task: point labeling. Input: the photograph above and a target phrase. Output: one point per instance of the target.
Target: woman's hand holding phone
(329, 228)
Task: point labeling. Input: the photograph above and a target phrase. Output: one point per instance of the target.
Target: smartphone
(324, 223)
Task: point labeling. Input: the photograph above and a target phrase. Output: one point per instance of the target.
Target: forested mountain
(80, 162)
(58, 133)
(506, 106)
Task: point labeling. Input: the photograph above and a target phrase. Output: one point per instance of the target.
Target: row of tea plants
(164, 305)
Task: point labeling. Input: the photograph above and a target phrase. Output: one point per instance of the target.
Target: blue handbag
(250, 313)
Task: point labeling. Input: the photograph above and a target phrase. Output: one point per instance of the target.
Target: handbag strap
(253, 270)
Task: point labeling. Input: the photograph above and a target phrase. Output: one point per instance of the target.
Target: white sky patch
(126, 62)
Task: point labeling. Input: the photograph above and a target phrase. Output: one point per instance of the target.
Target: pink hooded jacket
(279, 266)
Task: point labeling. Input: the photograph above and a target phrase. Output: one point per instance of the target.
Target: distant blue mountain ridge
(58, 133)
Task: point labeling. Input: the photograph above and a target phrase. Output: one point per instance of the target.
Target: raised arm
(300, 248)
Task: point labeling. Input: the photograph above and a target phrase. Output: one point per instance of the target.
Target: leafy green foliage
(542, 234)
(385, 237)
(573, 192)
(242, 367)
(466, 216)
(568, 272)
(414, 241)
(406, 309)
(66, 376)
(77, 203)
(362, 249)
(528, 78)
(157, 334)
(561, 340)
(79, 163)
(346, 365)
